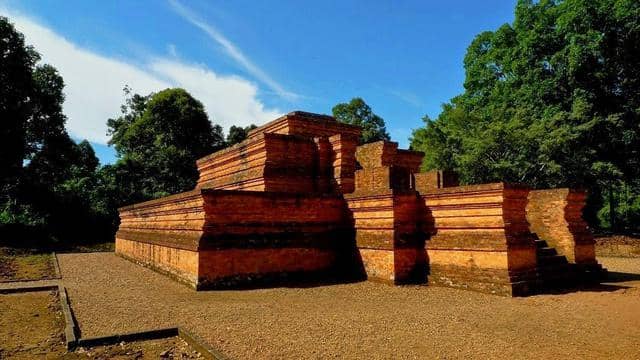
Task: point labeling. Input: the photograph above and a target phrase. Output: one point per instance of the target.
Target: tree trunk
(612, 208)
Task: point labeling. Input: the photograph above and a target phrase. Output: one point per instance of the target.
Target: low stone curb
(194, 341)
(72, 331)
(200, 346)
(71, 328)
(56, 266)
(73, 341)
(24, 289)
(128, 337)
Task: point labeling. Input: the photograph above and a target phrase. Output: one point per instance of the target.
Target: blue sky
(249, 61)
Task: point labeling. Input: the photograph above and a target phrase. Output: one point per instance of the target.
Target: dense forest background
(550, 100)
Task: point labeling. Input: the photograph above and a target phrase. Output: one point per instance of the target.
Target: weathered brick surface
(176, 221)
(387, 213)
(269, 162)
(435, 179)
(383, 167)
(480, 234)
(298, 196)
(343, 163)
(179, 263)
(256, 232)
(555, 215)
(306, 125)
(388, 235)
(299, 152)
(378, 264)
(233, 267)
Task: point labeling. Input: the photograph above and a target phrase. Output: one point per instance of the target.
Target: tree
(550, 100)
(158, 138)
(17, 63)
(237, 134)
(42, 170)
(357, 112)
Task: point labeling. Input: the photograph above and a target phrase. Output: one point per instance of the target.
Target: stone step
(546, 251)
(541, 244)
(551, 260)
(556, 276)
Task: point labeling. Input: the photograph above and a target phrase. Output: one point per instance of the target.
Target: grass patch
(32, 326)
(23, 265)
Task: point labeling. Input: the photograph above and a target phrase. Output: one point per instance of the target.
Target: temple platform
(300, 199)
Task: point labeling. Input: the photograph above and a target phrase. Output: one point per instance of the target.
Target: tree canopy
(357, 112)
(158, 138)
(550, 100)
(237, 134)
(42, 169)
(17, 88)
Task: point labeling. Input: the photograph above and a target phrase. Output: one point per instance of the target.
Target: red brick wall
(179, 263)
(306, 124)
(269, 162)
(555, 215)
(230, 267)
(388, 237)
(435, 179)
(190, 235)
(383, 166)
(480, 238)
(175, 221)
(299, 152)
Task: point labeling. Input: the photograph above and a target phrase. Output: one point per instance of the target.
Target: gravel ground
(362, 320)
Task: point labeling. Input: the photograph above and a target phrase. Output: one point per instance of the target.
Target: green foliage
(52, 189)
(550, 100)
(357, 112)
(237, 134)
(47, 181)
(17, 88)
(158, 138)
(13, 212)
(626, 205)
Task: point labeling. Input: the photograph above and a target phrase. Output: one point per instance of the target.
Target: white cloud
(232, 50)
(230, 100)
(94, 84)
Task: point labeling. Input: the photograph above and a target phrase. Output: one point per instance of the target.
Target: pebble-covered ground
(363, 320)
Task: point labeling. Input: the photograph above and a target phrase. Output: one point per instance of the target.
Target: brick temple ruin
(299, 199)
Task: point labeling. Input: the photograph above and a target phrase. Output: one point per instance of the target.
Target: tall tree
(17, 63)
(357, 112)
(158, 138)
(42, 170)
(550, 100)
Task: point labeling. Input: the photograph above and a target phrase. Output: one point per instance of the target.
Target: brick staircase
(555, 272)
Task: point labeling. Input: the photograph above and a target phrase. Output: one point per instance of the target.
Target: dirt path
(363, 320)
